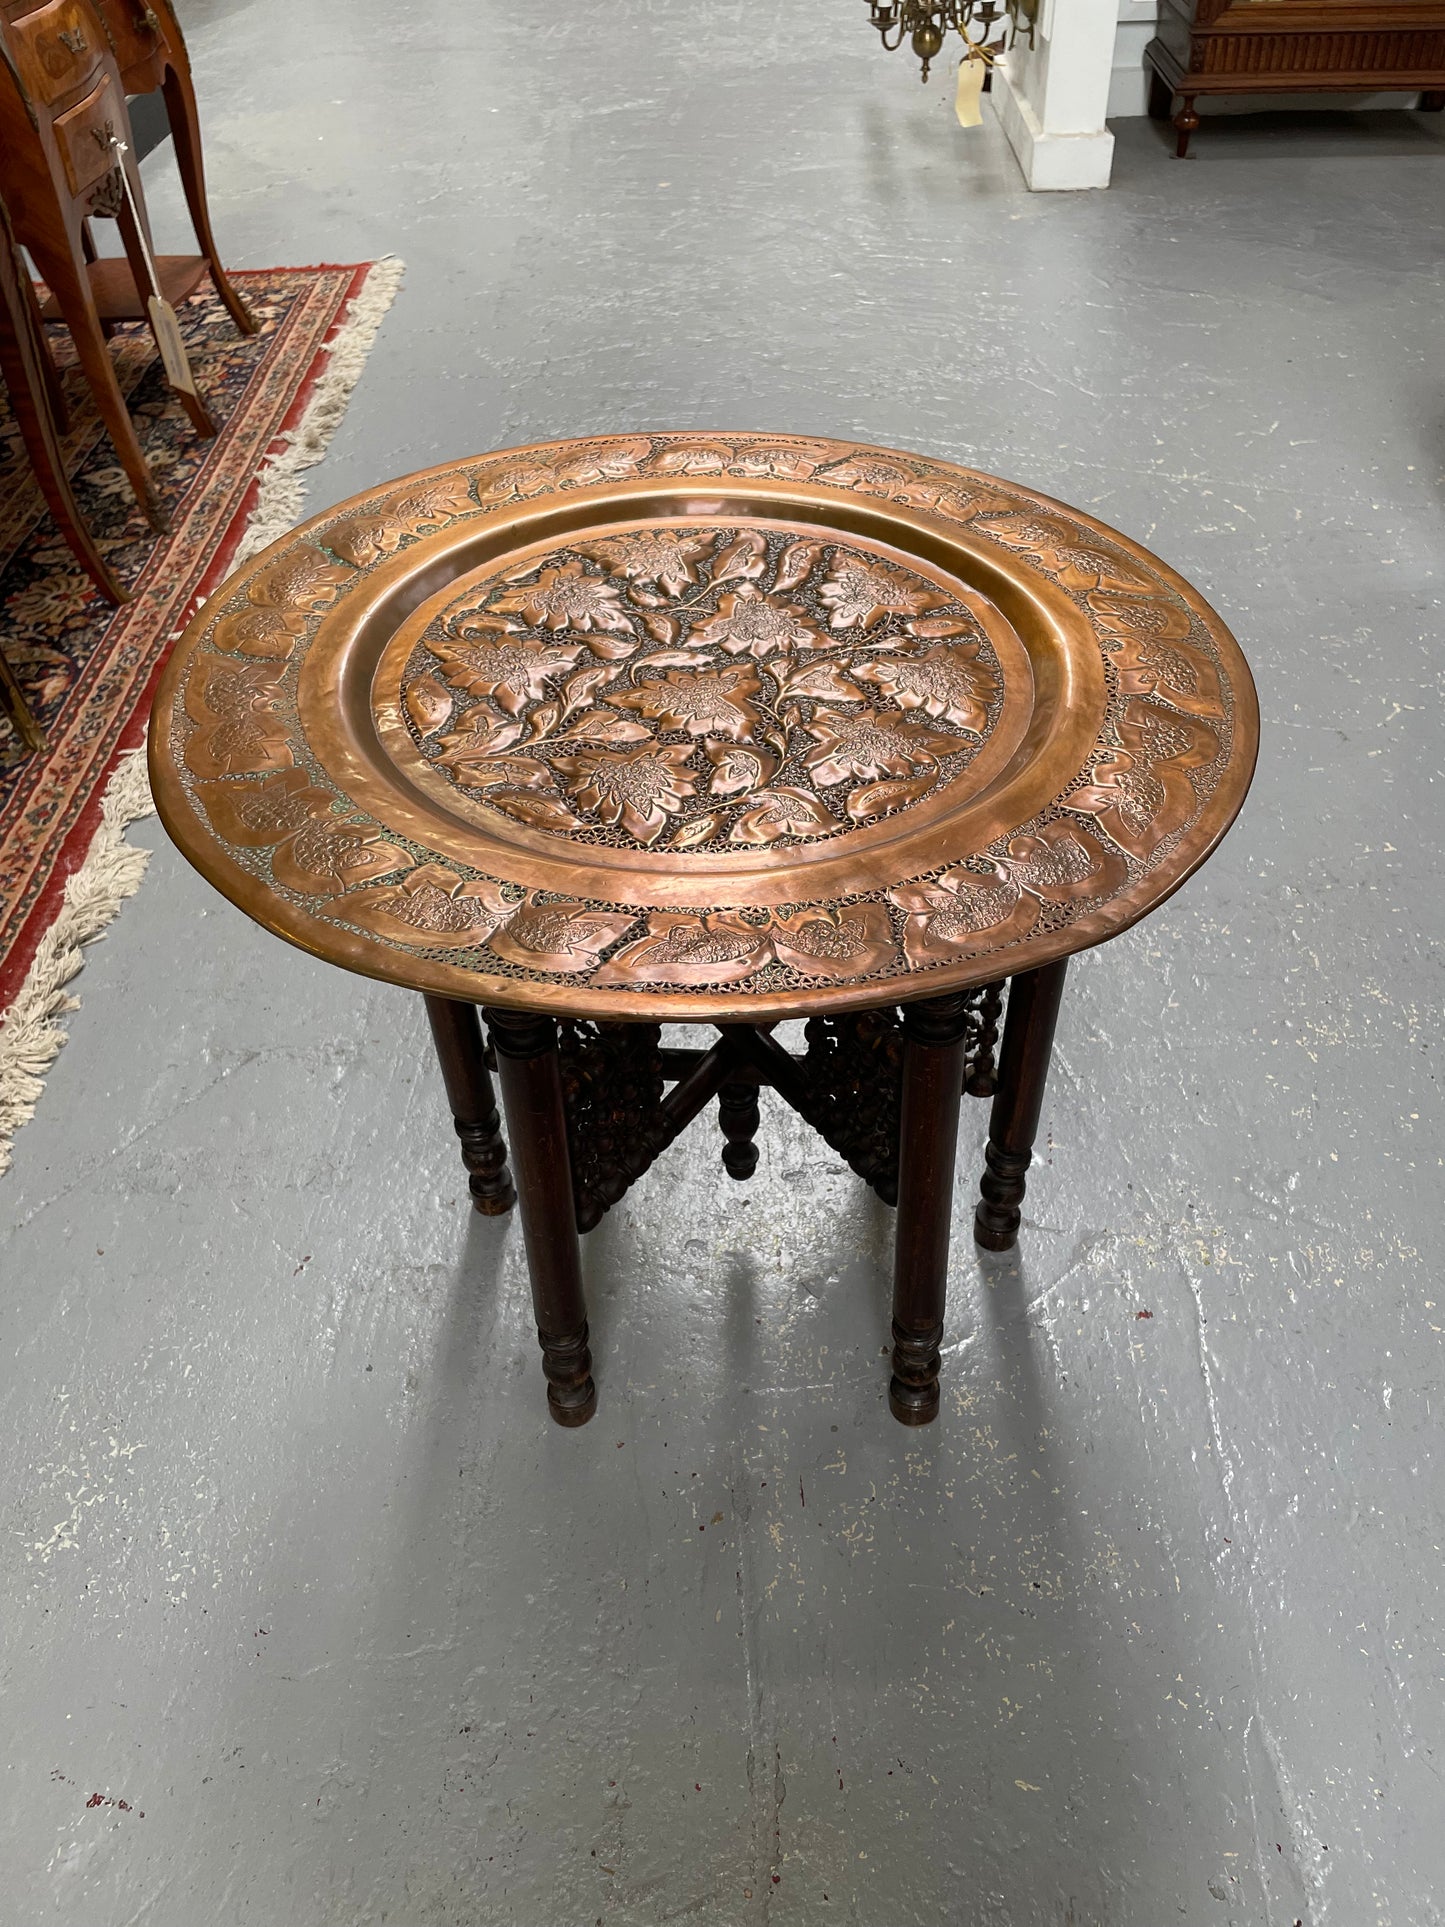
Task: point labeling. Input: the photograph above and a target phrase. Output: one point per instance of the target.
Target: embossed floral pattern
(637, 788)
(750, 622)
(804, 656)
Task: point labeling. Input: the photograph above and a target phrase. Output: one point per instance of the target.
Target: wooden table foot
(531, 1077)
(1028, 1041)
(934, 1051)
(457, 1033)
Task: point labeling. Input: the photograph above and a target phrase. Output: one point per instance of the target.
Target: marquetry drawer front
(57, 49)
(84, 134)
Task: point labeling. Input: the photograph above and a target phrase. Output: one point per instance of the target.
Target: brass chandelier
(924, 23)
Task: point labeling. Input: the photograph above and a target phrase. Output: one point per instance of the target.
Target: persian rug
(87, 669)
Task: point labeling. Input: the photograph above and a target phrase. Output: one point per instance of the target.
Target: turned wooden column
(531, 1077)
(1028, 1041)
(457, 1032)
(934, 1051)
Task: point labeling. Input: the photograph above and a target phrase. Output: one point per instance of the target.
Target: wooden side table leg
(457, 1032)
(737, 1110)
(1028, 1040)
(934, 1050)
(180, 98)
(531, 1075)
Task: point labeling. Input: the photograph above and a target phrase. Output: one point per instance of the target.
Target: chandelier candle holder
(925, 24)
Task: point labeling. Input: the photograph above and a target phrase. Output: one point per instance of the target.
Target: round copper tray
(734, 725)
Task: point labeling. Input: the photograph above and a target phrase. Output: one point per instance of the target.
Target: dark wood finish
(739, 1118)
(30, 380)
(724, 729)
(457, 1032)
(934, 1057)
(1028, 1041)
(1287, 46)
(151, 52)
(527, 1063)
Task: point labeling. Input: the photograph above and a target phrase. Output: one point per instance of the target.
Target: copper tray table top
(701, 727)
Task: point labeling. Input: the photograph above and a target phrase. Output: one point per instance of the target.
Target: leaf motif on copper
(692, 458)
(1141, 793)
(962, 913)
(259, 632)
(302, 578)
(949, 681)
(432, 908)
(750, 622)
(782, 812)
(1154, 657)
(567, 597)
(715, 705)
(868, 743)
(640, 789)
(560, 937)
(717, 948)
(514, 672)
(314, 851)
(852, 940)
(738, 768)
(235, 703)
(663, 556)
(860, 593)
(1063, 863)
(429, 705)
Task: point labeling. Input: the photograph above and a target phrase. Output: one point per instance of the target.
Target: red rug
(88, 670)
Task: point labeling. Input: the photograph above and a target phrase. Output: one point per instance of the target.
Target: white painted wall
(1053, 98)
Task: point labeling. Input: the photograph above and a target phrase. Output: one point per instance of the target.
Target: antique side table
(730, 729)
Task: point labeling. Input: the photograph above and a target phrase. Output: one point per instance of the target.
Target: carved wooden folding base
(591, 1106)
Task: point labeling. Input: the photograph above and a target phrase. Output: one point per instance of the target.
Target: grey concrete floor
(1147, 1628)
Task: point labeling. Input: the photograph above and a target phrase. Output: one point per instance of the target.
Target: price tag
(967, 102)
(167, 331)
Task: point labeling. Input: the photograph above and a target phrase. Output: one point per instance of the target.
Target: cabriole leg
(934, 1049)
(531, 1075)
(1028, 1040)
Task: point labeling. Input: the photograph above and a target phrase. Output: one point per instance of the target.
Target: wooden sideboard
(1292, 46)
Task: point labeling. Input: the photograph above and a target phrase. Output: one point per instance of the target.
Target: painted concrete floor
(1147, 1629)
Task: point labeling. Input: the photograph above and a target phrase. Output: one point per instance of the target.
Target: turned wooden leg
(1185, 122)
(180, 100)
(457, 1033)
(1028, 1039)
(1432, 101)
(737, 1113)
(934, 1049)
(531, 1074)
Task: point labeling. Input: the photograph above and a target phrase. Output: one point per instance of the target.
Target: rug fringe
(31, 1034)
(280, 491)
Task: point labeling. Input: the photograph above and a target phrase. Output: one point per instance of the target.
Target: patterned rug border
(97, 868)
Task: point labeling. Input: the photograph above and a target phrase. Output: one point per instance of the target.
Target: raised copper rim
(1024, 594)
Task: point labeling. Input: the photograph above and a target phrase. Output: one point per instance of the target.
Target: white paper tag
(967, 102)
(167, 331)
